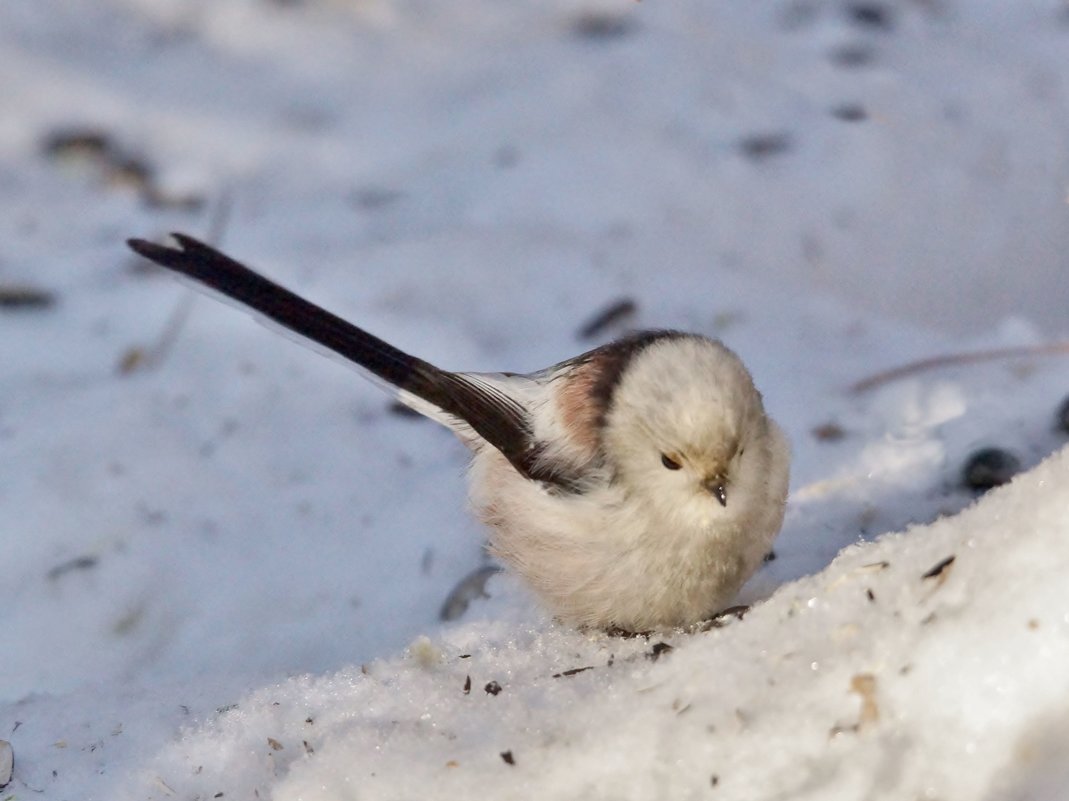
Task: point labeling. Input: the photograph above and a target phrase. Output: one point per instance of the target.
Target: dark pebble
(602, 27)
(71, 565)
(1063, 416)
(492, 688)
(989, 467)
(760, 146)
(25, 297)
(508, 757)
(616, 313)
(372, 198)
(828, 432)
(850, 112)
(658, 650)
(870, 15)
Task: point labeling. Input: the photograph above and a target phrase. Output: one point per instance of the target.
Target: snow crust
(882, 676)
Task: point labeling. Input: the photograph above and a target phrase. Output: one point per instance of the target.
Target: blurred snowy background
(217, 545)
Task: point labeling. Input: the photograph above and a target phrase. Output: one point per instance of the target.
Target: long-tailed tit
(635, 486)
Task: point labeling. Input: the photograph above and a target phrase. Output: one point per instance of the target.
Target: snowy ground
(225, 555)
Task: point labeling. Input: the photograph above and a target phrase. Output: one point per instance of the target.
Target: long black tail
(495, 416)
(217, 271)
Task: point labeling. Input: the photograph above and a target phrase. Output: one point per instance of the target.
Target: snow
(237, 549)
(775, 701)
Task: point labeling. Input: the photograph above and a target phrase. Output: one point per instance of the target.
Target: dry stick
(956, 359)
(137, 358)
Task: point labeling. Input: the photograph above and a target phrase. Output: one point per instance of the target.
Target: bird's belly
(599, 561)
(636, 589)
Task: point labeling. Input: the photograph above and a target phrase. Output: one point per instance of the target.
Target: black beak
(715, 485)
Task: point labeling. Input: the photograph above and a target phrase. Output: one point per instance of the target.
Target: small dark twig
(955, 360)
(615, 313)
(938, 568)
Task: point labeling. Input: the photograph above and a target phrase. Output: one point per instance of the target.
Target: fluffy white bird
(635, 486)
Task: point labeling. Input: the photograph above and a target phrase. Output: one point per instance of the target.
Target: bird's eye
(669, 462)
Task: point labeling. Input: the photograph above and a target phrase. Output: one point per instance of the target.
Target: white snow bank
(883, 676)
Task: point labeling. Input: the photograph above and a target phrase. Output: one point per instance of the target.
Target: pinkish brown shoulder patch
(578, 405)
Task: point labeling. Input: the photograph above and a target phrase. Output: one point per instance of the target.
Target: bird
(634, 487)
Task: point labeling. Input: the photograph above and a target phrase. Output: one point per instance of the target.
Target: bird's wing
(464, 401)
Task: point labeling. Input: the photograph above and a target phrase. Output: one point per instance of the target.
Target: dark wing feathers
(494, 415)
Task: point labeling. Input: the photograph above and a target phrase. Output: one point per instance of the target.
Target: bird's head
(686, 430)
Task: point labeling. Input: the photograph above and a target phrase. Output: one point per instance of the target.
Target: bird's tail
(464, 399)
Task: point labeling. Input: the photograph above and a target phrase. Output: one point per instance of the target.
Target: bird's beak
(715, 485)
